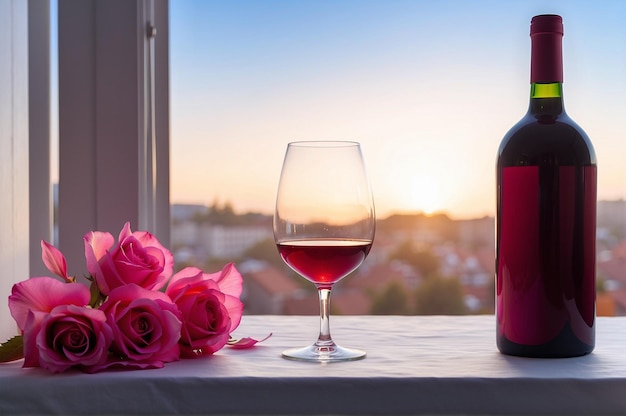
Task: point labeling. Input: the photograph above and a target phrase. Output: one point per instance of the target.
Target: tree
(394, 300)
(439, 296)
(264, 250)
(421, 259)
(220, 215)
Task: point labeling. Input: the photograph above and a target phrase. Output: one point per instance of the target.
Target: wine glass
(324, 225)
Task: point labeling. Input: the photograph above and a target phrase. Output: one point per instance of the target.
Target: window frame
(113, 120)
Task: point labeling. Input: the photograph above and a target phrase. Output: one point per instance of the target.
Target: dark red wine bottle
(546, 217)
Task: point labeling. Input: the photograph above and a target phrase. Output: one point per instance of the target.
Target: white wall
(14, 212)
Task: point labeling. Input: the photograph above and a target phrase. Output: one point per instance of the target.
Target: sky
(428, 88)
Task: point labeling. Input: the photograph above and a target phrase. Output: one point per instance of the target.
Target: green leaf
(12, 350)
(96, 297)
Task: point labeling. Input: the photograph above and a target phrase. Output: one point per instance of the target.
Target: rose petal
(31, 329)
(178, 281)
(54, 260)
(96, 246)
(235, 311)
(99, 243)
(229, 280)
(42, 294)
(246, 342)
(125, 232)
(107, 276)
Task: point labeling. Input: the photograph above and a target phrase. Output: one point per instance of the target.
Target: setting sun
(426, 194)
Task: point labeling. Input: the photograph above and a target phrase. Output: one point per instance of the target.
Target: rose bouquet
(135, 314)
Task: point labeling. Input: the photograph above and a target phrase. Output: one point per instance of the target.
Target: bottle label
(546, 253)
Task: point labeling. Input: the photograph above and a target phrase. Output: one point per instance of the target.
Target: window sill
(415, 365)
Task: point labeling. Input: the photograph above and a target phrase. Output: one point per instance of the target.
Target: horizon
(390, 214)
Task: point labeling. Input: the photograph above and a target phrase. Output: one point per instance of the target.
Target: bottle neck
(546, 66)
(546, 99)
(546, 52)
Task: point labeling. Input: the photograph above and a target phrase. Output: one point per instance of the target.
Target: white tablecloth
(415, 365)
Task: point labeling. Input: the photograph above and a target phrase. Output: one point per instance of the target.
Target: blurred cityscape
(418, 264)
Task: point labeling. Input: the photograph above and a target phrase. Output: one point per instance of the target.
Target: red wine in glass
(324, 262)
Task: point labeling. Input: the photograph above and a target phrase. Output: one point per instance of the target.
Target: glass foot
(323, 353)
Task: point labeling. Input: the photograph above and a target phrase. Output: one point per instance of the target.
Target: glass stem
(324, 338)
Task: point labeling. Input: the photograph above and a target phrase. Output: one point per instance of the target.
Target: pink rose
(69, 336)
(33, 299)
(210, 307)
(138, 258)
(146, 327)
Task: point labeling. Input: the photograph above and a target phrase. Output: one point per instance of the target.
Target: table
(415, 365)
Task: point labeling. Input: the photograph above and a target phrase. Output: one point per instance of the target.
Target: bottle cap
(546, 23)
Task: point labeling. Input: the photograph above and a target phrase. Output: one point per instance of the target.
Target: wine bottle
(546, 217)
